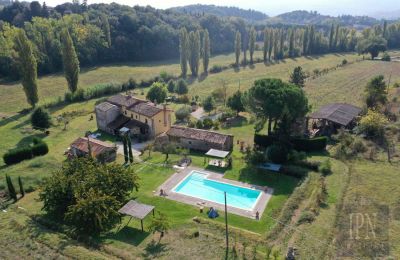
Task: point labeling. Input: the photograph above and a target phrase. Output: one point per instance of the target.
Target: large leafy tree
(376, 92)
(27, 66)
(70, 61)
(238, 47)
(372, 45)
(235, 102)
(206, 51)
(183, 50)
(157, 93)
(209, 104)
(87, 194)
(271, 99)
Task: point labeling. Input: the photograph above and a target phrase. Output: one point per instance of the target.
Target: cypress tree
(183, 49)
(206, 50)
(331, 35)
(28, 67)
(126, 155)
(194, 56)
(106, 29)
(252, 43)
(265, 48)
(130, 149)
(305, 41)
(238, 47)
(11, 189)
(270, 44)
(70, 60)
(21, 187)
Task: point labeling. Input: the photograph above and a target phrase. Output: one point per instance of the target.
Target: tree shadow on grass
(27, 140)
(154, 249)
(11, 119)
(282, 184)
(202, 76)
(129, 235)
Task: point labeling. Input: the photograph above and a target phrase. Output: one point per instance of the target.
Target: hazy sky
(272, 7)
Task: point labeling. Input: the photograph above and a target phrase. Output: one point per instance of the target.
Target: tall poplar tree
(28, 67)
(206, 50)
(305, 41)
(238, 47)
(245, 45)
(291, 43)
(183, 49)
(281, 43)
(194, 50)
(311, 40)
(331, 35)
(105, 25)
(70, 60)
(271, 43)
(276, 45)
(336, 38)
(252, 43)
(265, 47)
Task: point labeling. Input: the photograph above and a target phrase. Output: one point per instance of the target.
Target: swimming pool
(197, 185)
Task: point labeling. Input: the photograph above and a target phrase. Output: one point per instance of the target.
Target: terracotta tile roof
(124, 100)
(198, 134)
(140, 106)
(97, 146)
(339, 113)
(105, 106)
(145, 109)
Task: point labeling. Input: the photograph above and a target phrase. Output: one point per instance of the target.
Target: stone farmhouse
(102, 151)
(143, 118)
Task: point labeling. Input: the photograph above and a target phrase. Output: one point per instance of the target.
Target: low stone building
(199, 139)
(102, 151)
(143, 118)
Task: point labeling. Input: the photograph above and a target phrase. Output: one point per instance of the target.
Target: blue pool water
(197, 185)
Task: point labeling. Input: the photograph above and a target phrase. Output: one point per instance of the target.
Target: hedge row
(299, 144)
(15, 156)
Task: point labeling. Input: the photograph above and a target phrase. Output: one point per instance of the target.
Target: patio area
(166, 190)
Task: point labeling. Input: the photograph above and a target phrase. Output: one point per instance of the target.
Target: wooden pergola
(136, 210)
(221, 155)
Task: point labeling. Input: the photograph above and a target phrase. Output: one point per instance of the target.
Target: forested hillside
(305, 17)
(104, 33)
(250, 15)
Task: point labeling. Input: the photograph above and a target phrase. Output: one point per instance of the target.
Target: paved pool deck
(169, 185)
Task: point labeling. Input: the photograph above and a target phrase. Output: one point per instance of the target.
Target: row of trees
(107, 33)
(27, 64)
(192, 48)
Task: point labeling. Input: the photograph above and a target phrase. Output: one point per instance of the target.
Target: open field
(53, 86)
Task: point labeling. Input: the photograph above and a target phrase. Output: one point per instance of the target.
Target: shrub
(216, 68)
(255, 157)
(325, 168)
(171, 86)
(344, 62)
(208, 123)
(373, 124)
(386, 57)
(310, 145)
(40, 149)
(183, 113)
(181, 87)
(311, 165)
(17, 155)
(199, 124)
(277, 154)
(306, 217)
(184, 99)
(77, 96)
(216, 125)
(295, 156)
(40, 119)
(396, 85)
